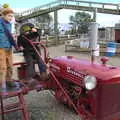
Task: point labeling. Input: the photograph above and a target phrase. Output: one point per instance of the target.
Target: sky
(63, 15)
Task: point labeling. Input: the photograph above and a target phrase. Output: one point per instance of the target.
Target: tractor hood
(85, 67)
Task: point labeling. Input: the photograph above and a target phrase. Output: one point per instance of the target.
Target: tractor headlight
(90, 82)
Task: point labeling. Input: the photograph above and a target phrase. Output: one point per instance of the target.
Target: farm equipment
(90, 88)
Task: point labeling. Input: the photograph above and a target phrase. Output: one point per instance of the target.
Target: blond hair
(6, 9)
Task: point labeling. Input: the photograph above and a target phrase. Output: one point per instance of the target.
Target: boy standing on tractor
(6, 43)
(28, 31)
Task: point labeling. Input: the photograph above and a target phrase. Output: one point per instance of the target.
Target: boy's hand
(21, 49)
(42, 42)
(16, 48)
(34, 30)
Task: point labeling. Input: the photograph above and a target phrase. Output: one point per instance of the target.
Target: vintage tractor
(90, 88)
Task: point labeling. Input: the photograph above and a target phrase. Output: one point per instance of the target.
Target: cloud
(107, 20)
(19, 10)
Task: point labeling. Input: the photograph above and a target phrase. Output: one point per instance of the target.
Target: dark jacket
(25, 43)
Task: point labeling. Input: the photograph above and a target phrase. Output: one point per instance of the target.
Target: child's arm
(19, 43)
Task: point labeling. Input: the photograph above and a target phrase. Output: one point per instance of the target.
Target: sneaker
(10, 84)
(36, 77)
(32, 83)
(44, 76)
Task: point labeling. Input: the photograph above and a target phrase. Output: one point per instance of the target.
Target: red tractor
(90, 88)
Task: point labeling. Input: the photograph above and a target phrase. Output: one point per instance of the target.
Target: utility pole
(56, 25)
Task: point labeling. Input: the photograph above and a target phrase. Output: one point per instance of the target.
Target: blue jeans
(32, 58)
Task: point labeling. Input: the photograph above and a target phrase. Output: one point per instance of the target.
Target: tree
(80, 22)
(44, 21)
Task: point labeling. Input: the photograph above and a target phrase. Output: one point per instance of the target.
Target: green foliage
(44, 19)
(43, 22)
(80, 22)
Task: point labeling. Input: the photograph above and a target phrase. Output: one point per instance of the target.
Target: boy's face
(8, 17)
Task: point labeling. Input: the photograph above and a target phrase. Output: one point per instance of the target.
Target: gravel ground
(42, 105)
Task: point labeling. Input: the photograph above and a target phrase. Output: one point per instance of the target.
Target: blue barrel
(111, 49)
